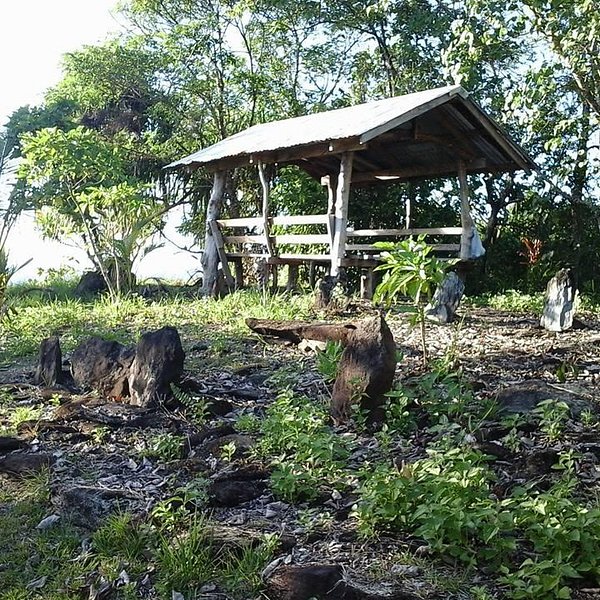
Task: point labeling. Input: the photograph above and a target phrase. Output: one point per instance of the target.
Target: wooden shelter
(429, 134)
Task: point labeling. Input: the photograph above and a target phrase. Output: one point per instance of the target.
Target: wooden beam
(245, 222)
(341, 212)
(418, 171)
(405, 232)
(287, 155)
(498, 135)
(301, 220)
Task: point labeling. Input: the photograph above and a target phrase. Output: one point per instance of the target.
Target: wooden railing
(380, 234)
(271, 243)
(359, 249)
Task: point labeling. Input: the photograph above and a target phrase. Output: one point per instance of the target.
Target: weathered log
(366, 370)
(49, 367)
(560, 302)
(295, 331)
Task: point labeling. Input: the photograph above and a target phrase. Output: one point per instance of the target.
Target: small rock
(22, 464)
(47, 522)
(49, 368)
(234, 492)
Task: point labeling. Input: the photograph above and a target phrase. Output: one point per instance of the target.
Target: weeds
(306, 455)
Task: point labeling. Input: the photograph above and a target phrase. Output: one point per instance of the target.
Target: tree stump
(446, 299)
(157, 364)
(366, 370)
(49, 367)
(560, 302)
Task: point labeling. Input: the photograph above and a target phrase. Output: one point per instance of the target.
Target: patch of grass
(124, 319)
(27, 554)
(511, 301)
(185, 561)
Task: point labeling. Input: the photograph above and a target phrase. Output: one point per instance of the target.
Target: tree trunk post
(342, 196)
(292, 281)
(470, 243)
(210, 258)
(264, 182)
(466, 220)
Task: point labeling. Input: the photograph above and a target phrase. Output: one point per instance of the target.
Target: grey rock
(446, 299)
(560, 302)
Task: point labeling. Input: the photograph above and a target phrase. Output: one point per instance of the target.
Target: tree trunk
(210, 258)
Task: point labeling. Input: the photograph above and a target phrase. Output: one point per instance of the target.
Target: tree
(81, 185)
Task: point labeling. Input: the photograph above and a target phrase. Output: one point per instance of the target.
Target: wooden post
(265, 207)
(466, 220)
(292, 281)
(210, 258)
(312, 274)
(366, 283)
(342, 196)
(238, 264)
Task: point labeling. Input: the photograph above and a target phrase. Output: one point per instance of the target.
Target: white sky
(34, 34)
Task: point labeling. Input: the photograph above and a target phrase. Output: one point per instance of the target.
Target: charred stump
(366, 370)
(157, 364)
(49, 368)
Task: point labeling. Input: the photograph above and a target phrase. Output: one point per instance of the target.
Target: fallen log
(296, 331)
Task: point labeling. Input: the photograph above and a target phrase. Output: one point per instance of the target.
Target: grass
(125, 319)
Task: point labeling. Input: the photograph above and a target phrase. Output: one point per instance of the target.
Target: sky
(34, 35)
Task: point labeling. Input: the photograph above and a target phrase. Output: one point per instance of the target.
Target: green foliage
(410, 269)
(307, 456)
(328, 360)
(552, 415)
(458, 514)
(196, 407)
(164, 446)
(82, 187)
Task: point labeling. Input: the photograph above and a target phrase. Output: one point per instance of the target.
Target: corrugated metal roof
(362, 121)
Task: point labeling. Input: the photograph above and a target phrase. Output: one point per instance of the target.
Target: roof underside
(408, 137)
